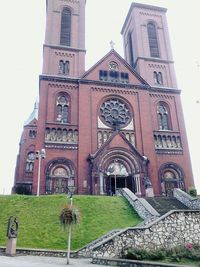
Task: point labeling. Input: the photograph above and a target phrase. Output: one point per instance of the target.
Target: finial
(197, 64)
(112, 44)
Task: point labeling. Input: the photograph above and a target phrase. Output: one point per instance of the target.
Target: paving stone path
(36, 261)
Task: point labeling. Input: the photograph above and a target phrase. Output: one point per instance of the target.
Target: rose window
(115, 112)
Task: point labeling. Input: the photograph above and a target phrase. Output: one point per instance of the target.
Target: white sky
(22, 26)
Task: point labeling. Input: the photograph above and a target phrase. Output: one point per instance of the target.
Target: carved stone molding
(161, 96)
(150, 14)
(63, 86)
(62, 147)
(64, 54)
(70, 1)
(157, 66)
(114, 91)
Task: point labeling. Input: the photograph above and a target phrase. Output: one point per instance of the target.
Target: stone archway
(119, 168)
(171, 176)
(59, 173)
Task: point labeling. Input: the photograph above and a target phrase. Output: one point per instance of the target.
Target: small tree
(69, 216)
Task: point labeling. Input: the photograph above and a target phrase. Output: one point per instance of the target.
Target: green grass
(39, 225)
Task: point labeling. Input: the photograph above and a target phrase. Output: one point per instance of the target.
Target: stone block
(11, 246)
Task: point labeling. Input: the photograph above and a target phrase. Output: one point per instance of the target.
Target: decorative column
(137, 183)
(101, 183)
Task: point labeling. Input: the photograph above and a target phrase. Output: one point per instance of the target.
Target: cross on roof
(112, 45)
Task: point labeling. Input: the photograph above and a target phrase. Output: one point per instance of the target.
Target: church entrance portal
(114, 184)
(117, 177)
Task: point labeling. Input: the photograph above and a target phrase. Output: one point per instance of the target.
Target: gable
(117, 141)
(113, 68)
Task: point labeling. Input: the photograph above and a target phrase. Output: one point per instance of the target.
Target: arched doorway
(118, 168)
(171, 176)
(59, 175)
(117, 178)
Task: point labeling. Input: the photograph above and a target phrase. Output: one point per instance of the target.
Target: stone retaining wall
(186, 199)
(86, 251)
(172, 229)
(132, 263)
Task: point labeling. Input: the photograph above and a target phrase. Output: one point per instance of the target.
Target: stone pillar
(137, 183)
(149, 192)
(101, 183)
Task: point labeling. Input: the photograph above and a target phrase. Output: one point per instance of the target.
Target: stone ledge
(40, 252)
(132, 263)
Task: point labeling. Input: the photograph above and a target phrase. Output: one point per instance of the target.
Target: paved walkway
(36, 261)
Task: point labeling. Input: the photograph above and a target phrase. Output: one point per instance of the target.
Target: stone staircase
(165, 204)
(153, 210)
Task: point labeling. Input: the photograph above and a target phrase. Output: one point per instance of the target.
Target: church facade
(118, 124)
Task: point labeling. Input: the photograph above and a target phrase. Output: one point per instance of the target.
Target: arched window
(158, 79)
(30, 162)
(130, 48)
(163, 116)
(63, 67)
(65, 32)
(153, 41)
(62, 109)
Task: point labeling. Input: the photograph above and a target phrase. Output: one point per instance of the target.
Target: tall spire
(34, 114)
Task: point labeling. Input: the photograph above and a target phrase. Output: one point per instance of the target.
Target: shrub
(177, 254)
(142, 254)
(192, 191)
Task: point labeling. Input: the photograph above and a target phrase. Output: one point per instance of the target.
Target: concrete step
(164, 204)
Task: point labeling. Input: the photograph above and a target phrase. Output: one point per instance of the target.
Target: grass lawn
(39, 225)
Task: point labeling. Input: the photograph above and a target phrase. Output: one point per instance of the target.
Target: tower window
(113, 76)
(63, 67)
(158, 77)
(65, 33)
(130, 48)
(32, 134)
(153, 41)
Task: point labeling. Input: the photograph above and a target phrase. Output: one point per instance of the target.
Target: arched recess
(118, 168)
(171, 176)
(60, 173)
(30, 162)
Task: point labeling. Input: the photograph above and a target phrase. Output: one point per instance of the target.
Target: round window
(115, 112)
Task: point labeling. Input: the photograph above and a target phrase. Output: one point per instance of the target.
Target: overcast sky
(22, 27)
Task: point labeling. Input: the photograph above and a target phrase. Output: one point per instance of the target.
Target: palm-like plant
(68, 216)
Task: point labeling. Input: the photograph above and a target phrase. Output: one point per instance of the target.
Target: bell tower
(64, 48)
(147, 46)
